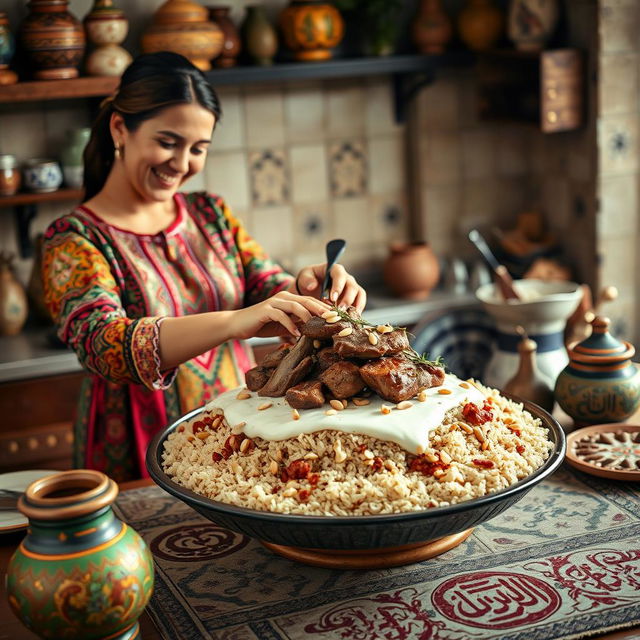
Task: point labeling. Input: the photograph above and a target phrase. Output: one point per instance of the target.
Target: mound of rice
(340, 474)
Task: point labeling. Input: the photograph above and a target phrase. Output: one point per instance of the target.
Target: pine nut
(332, 319)
(465, 427)
(246, 445)
(444, 392)
(422, 396)
(216, 423)
(405, 404)
(345, 403)
(243, 395)
(273, 467)
(311, 456)
(484, 446)
(373, 339)
(329, 314)
(445, 457)
(360, 402)
(384, 409)
(478, 434)
(368, 454)
(295, 414)
(384, 328)
(341, 456)
(431, 457)
(347, 331)
(202, 435)
(279, 456)
(265, 405)
(336, 404)
(464, 385)
(330, 412)
(290, 492)
(317, 344)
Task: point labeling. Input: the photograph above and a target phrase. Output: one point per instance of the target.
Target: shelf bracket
(24, 215)
(405, 88)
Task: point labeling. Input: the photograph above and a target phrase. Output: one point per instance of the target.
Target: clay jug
(182, 26)
(78, 559)
(7, 49)
(13, 299)
(411, 270)
(106, 28)
(259, 38)
(52, 39)
(480, 25)
(531, 23)
(529, 383)
(600, 384)
(311, 28)
(431, 27)
(231, 44)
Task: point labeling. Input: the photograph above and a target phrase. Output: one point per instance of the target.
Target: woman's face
(166, 150)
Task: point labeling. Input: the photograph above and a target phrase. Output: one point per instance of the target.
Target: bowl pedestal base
(370, 558)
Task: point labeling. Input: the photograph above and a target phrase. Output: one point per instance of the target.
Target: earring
(117, 153)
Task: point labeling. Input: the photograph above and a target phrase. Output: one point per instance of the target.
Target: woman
(154, 289)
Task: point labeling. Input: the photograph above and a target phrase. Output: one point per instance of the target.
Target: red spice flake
(298, 469)
(378, 463)
(284, 476)
(198, 426)
(475, 415)
(208, 420)
(181, 429)
(362, 447)
(216, 456)
(303, 495)
(426, 467)
(275, 489)
(313, 478)
(485, 464)
(520, 449)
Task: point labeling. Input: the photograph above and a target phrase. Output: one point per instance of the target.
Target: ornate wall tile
(618, 144)
(390, 217)
(312, 227)
(269, 177)
(348, 169)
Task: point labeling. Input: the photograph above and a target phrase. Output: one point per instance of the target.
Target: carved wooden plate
(606, 450)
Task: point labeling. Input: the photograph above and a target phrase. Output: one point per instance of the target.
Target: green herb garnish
(423, 358)
(361, 322)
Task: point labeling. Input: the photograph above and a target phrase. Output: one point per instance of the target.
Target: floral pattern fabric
(109, 289)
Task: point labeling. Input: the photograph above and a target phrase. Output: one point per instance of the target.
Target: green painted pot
(600, 384)
(80, 572)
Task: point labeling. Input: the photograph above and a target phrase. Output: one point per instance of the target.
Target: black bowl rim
(550, 465)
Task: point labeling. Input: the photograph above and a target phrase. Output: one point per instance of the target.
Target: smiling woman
(155, 289)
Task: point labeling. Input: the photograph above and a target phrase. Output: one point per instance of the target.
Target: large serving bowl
(357, 532)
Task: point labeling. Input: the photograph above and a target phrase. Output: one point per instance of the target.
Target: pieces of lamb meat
(305, 395)
(343, 379)
(257, 377)
(293, 368)
(429, 376)
(318, 329)
(275, 357)
(358, 345)
(393, 378)
(326, 357)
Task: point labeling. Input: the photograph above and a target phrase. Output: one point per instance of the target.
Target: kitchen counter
(32, 354)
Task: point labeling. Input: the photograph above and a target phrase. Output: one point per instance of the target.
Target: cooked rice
(357, 474)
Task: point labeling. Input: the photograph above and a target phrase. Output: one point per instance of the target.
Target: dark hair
(152, 82)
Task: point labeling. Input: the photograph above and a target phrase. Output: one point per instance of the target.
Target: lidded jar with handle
(600, 384)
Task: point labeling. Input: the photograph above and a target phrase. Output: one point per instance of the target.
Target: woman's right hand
(278, 315)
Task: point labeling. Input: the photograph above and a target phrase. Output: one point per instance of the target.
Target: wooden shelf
(58, 89)
(21, 199)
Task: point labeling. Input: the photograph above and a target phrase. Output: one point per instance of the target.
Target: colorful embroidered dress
(108, 289)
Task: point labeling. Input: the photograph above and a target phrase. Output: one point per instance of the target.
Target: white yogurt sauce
(407, 427)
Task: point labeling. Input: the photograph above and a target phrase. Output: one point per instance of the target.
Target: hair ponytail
(152, 82)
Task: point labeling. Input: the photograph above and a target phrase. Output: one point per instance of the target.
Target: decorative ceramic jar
(542, 312)
(7, 49)
(311, 28)
(42, 175)
(13, 299)
(259, 38)
(231, 44)
(106, 28)
(431, 27)
(71, 157)
(411, 270)
(9, 175)
(182, 26)
(480, 24)
(600, 384)
(53, 40)
(80, 572)
(531, 23)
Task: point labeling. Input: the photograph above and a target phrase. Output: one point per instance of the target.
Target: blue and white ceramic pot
(42, 175)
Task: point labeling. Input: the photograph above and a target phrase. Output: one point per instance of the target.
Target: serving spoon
(503, 279)
(335, 249)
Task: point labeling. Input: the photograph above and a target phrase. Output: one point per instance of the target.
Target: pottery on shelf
(80, 572)
(480, 24)
(600, 384)
(431, 28)
(71, 156)
(10, 178)
(531, 23)
(183, 27)
(231, 43)
(411, 270)
(52, 39)
(311, 28)
(13, 299)
(41, 175)
(106, 27)
(259, 38)
(7, 49)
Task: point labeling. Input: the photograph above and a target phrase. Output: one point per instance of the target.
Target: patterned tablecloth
(564, 562)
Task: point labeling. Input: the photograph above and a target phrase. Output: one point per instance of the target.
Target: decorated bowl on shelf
(42, 175)
(359, 541)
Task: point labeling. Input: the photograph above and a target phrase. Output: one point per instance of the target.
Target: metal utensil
(334, 250)
(503, 279)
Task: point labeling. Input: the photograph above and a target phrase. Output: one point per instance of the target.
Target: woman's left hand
(344, 291)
